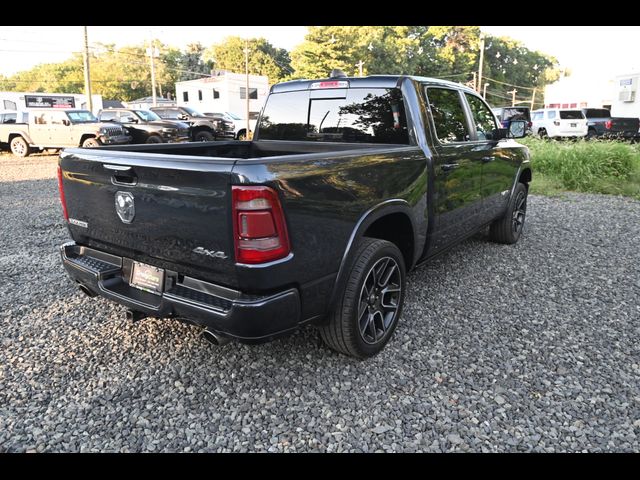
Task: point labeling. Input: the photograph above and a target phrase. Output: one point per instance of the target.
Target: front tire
(20, 147)
(204, 136)
(91, 143)
(509, 228)
(154, 139)
(367, 312)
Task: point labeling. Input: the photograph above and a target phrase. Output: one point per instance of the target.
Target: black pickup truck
(348, 184)
(602, 125)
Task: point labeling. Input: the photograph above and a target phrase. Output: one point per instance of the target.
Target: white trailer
(224, 92)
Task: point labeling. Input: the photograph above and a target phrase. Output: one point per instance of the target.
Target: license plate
(147, 277)
(574, 124)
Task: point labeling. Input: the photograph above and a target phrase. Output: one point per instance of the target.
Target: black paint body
(332, 194)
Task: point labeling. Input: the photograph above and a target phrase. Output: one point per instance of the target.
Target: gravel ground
(532, 347)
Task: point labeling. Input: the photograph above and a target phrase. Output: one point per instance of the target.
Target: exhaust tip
(86, 291)
(214, 338)
(134, 315)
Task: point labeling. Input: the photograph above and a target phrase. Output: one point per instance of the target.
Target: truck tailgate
(621, 124)
(172, 211)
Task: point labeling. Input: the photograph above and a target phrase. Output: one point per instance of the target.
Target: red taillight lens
(607, 124)
(529, 124)
(62, 199)
(259, 229)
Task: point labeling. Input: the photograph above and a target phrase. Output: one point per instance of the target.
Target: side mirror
(182, 116)
(517, 129)
(128, 120)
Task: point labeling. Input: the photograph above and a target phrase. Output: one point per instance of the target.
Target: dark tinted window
(363, 115)
(448, 115)
(516, 113)
(482, 117)
(199, 94)
(571, 114)
(185, 96)
(597, 113)
(216, 93)
(253, 93)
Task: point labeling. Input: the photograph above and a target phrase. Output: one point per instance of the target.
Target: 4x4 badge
(125, 207)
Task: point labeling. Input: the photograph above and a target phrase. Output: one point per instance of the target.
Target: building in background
(578, 92)
(224, 92)
(625, 100)
(23, 101)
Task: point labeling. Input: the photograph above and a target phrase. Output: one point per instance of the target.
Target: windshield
(146, 115)
(192, 112)
(233, 115)
(359, 115)
(571, 114)
(81, 116)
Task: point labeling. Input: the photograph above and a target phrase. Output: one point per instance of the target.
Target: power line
(509, 84)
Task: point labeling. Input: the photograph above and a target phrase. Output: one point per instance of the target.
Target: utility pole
(246, 71)
(513, 97)
(484, 90)
(475, 77)
(152, 53)
(533, 98)
(87, 75)
(481, 61)
(359, 65)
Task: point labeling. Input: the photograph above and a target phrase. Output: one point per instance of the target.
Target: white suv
(559, 122)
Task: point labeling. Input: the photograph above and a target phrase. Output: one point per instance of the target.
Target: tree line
(450, 52)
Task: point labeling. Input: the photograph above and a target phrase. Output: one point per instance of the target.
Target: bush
(584, 165)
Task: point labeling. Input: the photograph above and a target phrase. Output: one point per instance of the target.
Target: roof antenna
(337, 73)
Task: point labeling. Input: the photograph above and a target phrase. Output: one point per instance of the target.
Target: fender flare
(376, 212)
(20, 133)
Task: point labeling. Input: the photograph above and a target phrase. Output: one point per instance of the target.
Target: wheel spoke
(387, 275)
(372, 327)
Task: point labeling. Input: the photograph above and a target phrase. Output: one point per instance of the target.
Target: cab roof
(371, 81)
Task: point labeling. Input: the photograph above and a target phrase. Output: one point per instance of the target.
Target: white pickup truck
(57, 128)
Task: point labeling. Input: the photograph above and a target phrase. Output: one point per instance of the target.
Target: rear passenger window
(482, 117)
(448, 115)
(551, 114)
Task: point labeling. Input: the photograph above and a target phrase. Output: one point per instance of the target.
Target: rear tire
(204, 136)
(20, 147)
(367, 312)
(542, 133)
(91, 143)
(591, 135)
(509, 228)
(242, 135)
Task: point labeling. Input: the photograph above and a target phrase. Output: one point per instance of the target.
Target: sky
(591, 52)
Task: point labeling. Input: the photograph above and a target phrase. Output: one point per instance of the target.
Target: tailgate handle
(118, 168)
(125, 178)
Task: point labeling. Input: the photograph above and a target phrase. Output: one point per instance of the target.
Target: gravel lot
(532, 347)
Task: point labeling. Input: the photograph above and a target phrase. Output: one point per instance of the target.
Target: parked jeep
(54, 128)
(145, 126)
(203, 128)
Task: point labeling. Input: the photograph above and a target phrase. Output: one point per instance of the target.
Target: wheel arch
(391, 220)
(85, 136)
(24, 136)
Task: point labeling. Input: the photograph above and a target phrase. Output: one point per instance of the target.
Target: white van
(559, 122)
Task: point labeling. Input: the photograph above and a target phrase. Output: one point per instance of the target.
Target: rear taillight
(259, 229)
(62, 199)
(607, 124)
(529, 124)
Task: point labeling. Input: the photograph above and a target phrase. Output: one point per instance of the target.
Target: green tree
(264, 58)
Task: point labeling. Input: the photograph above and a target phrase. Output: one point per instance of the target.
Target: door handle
(447, 167)
(488, 159)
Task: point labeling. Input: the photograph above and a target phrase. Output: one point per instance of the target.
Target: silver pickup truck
(53, 128)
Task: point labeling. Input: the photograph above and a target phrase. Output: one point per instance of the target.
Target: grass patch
(607, 167)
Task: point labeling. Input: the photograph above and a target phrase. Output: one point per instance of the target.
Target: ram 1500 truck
(348, 184)
(57, 128)
(602, 125)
